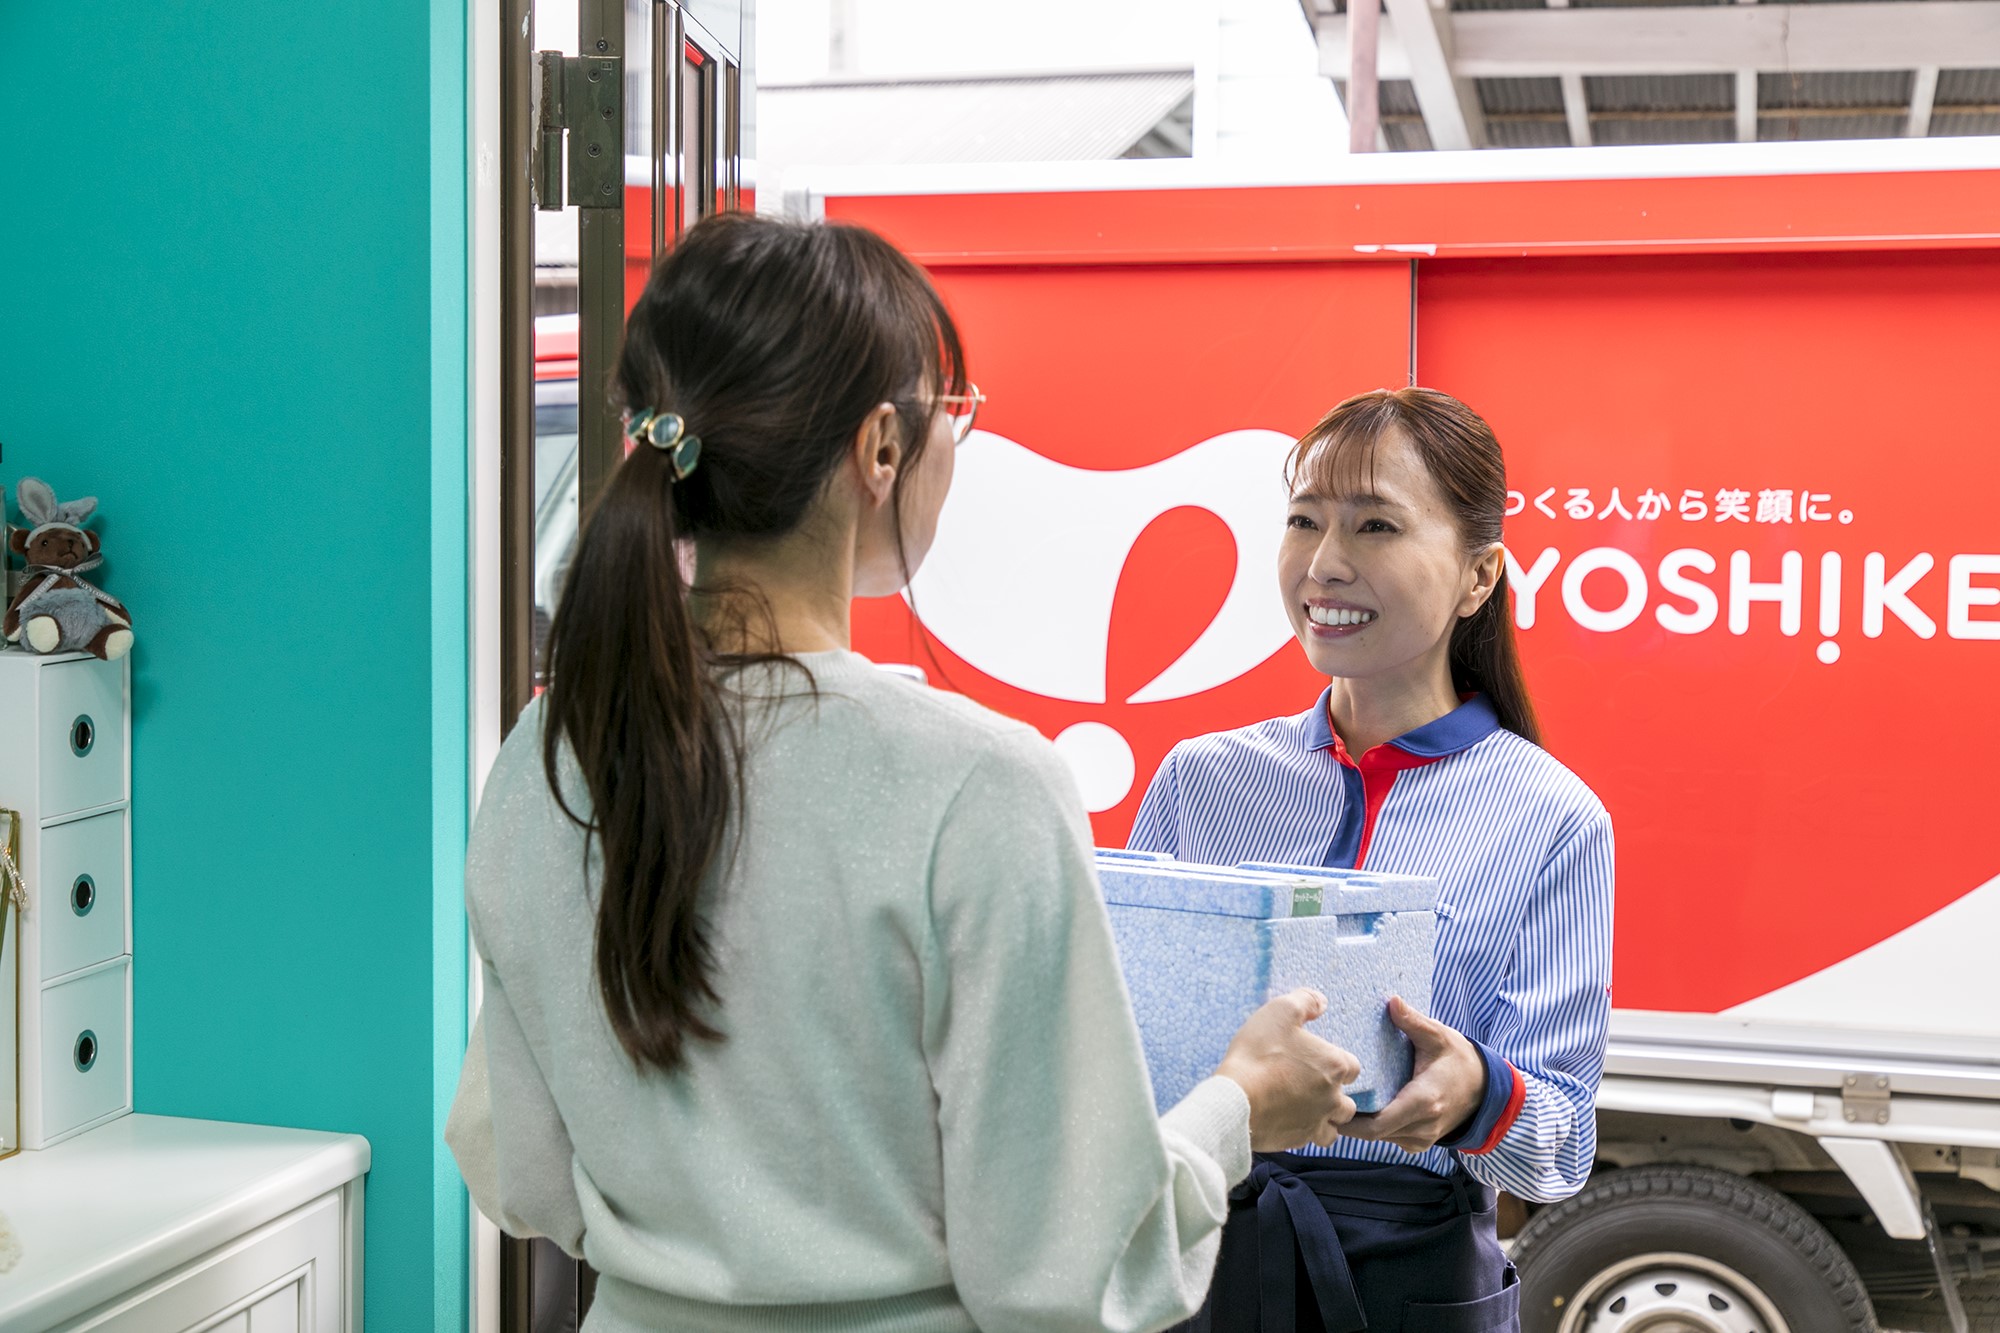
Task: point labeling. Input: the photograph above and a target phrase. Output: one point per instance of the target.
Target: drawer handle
(83, 895)
(86, 1051)
(82, 735)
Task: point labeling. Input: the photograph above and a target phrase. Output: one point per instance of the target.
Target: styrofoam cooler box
(1203, 946)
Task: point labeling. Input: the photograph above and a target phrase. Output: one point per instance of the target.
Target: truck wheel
(1684, 1249)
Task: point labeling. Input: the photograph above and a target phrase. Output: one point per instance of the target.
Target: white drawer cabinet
(283, 1278)
(80, 716)
(86, 1045)
(80, 890)
(153, 1224)
(65, 765)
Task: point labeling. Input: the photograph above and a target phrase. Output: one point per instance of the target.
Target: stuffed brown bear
(57, 610)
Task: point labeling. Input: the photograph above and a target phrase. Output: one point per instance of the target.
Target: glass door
(621, 127)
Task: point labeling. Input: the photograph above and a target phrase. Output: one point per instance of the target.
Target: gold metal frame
(10, 844)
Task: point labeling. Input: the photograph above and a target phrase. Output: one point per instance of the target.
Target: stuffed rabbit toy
(56, 609)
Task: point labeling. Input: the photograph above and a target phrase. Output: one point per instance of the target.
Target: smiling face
(1373, 567)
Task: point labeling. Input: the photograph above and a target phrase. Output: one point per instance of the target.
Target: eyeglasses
(963, 409)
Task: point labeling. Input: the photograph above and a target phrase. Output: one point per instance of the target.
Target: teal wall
(234, 308)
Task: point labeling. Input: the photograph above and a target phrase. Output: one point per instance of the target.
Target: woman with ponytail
(1422, 757)
(801, 1010)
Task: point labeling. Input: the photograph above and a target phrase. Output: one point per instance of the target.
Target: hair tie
(667, 432)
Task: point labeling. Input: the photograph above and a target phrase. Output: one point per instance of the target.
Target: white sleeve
(506, 1133)
(468, 1130)
(1055, 1164)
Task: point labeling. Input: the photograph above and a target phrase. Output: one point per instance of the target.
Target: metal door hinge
(1864, 1099)
(583, 96)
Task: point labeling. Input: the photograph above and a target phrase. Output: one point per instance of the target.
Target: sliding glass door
(620, 128)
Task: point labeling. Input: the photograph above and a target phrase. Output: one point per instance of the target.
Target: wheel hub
(1671, 1293)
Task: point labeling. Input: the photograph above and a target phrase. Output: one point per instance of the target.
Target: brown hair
(773, 340)
(1461, 455)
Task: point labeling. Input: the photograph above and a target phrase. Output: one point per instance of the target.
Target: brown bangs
(1337, 456)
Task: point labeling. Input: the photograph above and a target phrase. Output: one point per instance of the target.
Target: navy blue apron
(1326, 1245)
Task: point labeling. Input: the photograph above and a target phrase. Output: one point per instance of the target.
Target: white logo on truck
(1884, 595)
(1029, 550)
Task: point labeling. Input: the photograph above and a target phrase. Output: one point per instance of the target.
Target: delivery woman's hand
(1446, 1084)
(1295, 1081)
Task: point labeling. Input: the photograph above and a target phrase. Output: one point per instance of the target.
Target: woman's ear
(878, 453)
(1487, 568)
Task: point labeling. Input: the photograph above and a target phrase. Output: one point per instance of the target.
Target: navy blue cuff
(1498, 1106)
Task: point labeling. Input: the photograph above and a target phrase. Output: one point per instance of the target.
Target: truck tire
(1687, 1248)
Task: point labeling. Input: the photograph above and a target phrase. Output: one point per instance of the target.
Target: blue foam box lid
(1203, 946)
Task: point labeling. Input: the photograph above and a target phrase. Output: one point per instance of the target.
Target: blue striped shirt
(1522, 851)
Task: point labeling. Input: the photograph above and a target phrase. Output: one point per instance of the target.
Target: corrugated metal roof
(1507, 96)
(1779, 129)
(1171, 136)
(1696, 108)
(1875, 88)
(1398, 97)
(1968, 85)
(1982, 122)
(1393, 97)
(1712, 129)
(1527, 133)
(1406, 136)
(1661, 92)
(1032, 118)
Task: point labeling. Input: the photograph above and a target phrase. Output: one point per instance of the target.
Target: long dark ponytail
(773, 341)
(1460, 452)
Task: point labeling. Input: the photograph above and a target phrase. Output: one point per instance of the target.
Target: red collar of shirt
(1460, 729)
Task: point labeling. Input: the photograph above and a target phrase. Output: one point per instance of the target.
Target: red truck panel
(1776, 812)
(1792, 368)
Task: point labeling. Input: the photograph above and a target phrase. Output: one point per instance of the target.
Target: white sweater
(930, 1112)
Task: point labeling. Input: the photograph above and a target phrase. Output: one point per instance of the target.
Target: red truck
(1747, 401)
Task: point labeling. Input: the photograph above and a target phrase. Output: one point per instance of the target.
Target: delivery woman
(801, 1008)
(1420, 757)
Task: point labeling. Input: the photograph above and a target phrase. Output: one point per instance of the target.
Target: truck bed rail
(1715, 1048)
